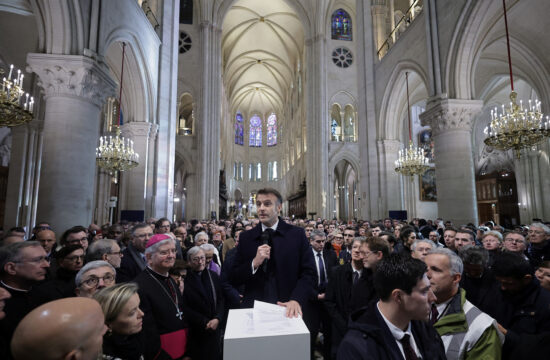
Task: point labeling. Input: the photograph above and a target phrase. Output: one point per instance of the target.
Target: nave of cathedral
(310, 97)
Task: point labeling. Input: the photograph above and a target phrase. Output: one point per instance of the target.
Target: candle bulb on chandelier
(11, 69)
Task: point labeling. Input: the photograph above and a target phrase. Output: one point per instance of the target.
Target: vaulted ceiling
(262, 43)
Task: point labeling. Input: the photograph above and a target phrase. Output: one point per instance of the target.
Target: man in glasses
(69, 259)
(22, 266)
(539, 244)
(77, 235)
(106, 250)
(515, 242)
(133, 260)
(93, 277)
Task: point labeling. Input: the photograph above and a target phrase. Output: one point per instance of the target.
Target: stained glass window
(272, 130)
(341, 25)
(255, 138)
(239, 129)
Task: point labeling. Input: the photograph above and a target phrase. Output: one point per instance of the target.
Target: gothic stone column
(317, 130)
(451, 121)
(134, 191)
(23, 176)
(390, 182)
(74, 89)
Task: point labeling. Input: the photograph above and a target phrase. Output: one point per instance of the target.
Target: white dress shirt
(398, 335)
(274, 227)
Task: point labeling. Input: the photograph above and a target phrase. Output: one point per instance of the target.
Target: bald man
(72, 328)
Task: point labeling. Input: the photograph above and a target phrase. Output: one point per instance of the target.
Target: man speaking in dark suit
(274, 261)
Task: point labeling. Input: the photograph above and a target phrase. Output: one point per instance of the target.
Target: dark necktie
(355, 277)
(322, 277)
(434, 314)
(410, 354)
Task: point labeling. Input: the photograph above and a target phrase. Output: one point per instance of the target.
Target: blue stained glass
(239, 129)
(272, 130)
(341, 25)
(255, 137)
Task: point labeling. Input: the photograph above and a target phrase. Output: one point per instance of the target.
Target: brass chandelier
(16, 107)
(412, 160)
(116, 153)
(516, 127)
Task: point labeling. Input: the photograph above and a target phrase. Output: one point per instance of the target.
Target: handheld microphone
(265, 238)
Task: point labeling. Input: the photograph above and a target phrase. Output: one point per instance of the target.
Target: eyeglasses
(514, 241)
(93, 281)
(537, 232)
(198, 259)
(75, 258)
(119, 253)
(349, 235)
(36, 260)
(367, 253)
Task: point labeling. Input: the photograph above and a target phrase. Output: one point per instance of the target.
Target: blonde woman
(123, 317)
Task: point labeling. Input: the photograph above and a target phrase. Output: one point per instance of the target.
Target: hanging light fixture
(16, 107)
(518, 126)
(116, 153)
(412, 160)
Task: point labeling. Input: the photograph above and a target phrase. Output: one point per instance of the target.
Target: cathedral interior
(314, 98)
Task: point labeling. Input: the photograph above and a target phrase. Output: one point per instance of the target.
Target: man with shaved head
(72, 328)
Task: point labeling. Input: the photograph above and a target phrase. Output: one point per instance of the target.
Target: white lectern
(259, 333)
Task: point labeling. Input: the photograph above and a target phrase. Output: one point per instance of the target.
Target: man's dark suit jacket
(291, 264)
(370, 338)
(201, 308)
(130, 266)
(343, 298)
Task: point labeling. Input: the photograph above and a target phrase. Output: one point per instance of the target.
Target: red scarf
(337, 248)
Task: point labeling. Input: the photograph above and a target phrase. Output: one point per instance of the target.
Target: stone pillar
(25, 162)
(151, 161)
(531, 170)
(208, 129)
(167, 111)
(133, 190)
(317, 129)
(451, 121)
(538, 199)
(369, 177)
(75, 87)
(102, 196)
(379, 13)
(390, 180)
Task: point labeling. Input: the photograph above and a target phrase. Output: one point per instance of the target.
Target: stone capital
(136, 129)
(153, 132)
(72, 76)
(445, 115)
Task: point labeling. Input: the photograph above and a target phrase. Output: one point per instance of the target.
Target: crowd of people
(382, 289)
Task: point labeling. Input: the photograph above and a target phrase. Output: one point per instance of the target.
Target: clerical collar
(274, 227)
(156, 273)
(12, 288)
